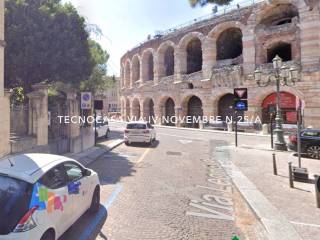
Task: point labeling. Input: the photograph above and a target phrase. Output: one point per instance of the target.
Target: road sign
(98, 105)
(241, 93)
(86, 100)
(241, 105)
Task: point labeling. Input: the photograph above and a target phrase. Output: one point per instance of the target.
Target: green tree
(98, 81)
(46, 41)
(205, 2)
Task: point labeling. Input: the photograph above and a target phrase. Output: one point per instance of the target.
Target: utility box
(300, 174)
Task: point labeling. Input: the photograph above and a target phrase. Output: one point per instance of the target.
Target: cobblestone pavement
(175, 190)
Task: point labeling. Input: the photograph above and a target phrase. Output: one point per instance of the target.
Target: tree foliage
(46, 41)
(205, 2)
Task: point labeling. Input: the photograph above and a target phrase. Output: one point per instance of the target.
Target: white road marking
(185, 141)
(305, 224)
(144, 155)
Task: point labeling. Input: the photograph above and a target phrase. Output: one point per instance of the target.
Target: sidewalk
(92, 154)
(287, 213)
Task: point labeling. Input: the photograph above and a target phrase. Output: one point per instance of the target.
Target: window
(311, 134)
(55, 178)
(74, 172)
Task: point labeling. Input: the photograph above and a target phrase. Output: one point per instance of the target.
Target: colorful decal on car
(46, 200)
(74, 188)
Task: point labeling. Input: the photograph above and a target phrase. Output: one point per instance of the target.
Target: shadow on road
(145, 145)
(87, 227)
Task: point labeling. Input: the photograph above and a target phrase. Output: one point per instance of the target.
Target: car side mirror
(86, 172)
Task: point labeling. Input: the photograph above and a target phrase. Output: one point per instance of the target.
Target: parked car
(102, 129)
(42, 195)
(139, 132)
(310, 142)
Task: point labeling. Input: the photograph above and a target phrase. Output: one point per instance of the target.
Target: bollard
(275, 172)
(317, 189)
(290, 175)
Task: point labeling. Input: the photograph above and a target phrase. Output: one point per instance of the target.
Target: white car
(102, 129)
(42, 195)
(139, 132)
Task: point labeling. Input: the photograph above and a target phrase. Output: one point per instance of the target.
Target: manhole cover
(174, 153)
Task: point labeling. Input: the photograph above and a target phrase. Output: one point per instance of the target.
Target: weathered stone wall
(219, 77)
(4, 97)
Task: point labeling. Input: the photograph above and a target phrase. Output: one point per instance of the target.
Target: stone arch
(136, 109)
(148, 110)
(127, 74)
(166, 61)
(229, 44)
(127, 109)
(190, 52)
(282, 49)
(192, 106)
(135, 68)
(287, 104)
(147, 63)
(212, 38)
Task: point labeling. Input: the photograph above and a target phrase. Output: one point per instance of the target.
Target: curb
(203, 130)
(276, 225)
(92, 154)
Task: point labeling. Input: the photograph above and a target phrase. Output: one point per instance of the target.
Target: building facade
(4, 96)
(192, 71)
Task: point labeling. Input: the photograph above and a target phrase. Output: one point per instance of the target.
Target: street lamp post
(283, 76)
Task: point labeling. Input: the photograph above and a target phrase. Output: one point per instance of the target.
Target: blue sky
(125, 23)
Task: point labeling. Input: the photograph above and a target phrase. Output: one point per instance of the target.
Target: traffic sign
(241, 93)
(86, 100)
(241, 105)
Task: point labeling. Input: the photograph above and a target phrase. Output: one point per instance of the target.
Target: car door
(78, 188)
(51, 195)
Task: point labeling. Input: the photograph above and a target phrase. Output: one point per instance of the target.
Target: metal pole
(275, 172)
(290, 175)
(271, 130)
(299, 136)
(280, 143)
(95, 128)
(236, 129)
(317, 190)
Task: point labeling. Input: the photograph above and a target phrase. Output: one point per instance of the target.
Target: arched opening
(194, 111)
(136, 109)
(288, 106)
(169, 112)
(283, 50)
(280, 15)
(127, 111)
(150, 73)
(135, 69)
(194, 56)
(229, 44)
(148, 109)
(169, 61)
(127, 74)
(225, 109)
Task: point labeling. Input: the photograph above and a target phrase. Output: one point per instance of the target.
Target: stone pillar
(4, 96)
(38, 113)
(209, 57)
(74, 128)
(156, 75)
(180, 67)
(178, 115)
(249, 50)
(159, 113)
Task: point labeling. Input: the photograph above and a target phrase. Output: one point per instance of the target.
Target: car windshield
(15, 197)
(136, 126)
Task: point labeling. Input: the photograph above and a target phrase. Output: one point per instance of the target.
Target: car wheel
(95, 202)
(313, 152)
(127, 143)
(107, 134)
(48, 235)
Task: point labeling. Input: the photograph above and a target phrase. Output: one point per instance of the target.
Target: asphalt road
(172, 190)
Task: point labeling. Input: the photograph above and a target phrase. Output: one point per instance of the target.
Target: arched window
(194, 56)
(150, 67)
(135, 69)
(229, 44)
(147, 66)
(279, 15)
(169, 61)
(283, 50)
